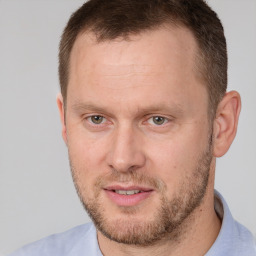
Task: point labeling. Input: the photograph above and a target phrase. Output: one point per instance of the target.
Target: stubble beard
(168, 217)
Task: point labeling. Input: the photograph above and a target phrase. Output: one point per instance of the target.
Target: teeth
(127, 192)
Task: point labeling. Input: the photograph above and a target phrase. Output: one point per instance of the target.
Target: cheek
(82, 147)
(87, 158)
(169, 164)
(174, 160)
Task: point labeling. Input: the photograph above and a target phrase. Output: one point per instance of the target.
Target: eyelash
(164, 119)
(91, 122)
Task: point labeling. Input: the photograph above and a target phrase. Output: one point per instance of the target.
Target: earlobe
(225, 123)
(61, 108)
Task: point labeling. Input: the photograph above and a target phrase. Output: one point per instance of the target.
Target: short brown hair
(110, 19)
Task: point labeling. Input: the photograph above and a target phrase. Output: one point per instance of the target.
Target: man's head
(135, 114)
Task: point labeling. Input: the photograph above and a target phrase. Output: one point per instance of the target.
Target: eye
(96, 119)
(157, 120)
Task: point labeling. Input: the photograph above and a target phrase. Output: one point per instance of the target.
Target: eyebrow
(174, 108)
(81, 107)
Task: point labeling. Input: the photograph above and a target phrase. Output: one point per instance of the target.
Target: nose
(126, 150)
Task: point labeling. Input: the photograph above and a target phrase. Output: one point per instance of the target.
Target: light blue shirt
(233, 239)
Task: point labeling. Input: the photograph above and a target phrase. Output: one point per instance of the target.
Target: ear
(60, 105)
(225, 123)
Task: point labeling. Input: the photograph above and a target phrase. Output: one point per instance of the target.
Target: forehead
(161, 60)
(154, 47)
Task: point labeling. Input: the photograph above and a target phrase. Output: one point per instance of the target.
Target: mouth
(128, 196)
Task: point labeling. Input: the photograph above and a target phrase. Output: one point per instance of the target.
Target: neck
(195, 235)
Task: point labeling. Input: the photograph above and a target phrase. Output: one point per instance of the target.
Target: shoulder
(75, 239)
(245, 239)
(233, 239)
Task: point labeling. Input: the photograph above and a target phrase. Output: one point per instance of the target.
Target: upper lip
(128, 188)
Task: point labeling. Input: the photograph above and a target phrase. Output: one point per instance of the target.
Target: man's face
(138, 133)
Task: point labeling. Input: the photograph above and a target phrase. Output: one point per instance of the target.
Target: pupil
(158, 120)
(97, 119)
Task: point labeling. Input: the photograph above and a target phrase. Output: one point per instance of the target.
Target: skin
(128, 83)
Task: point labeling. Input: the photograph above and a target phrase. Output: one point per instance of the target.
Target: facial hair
(168, 217)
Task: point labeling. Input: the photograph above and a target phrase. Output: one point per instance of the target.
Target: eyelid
(87, 118)
(167, 119)
(147, 118)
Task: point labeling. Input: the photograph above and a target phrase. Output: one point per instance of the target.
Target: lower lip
(128, 200)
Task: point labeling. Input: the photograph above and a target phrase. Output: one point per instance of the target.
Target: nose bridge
(126, 151)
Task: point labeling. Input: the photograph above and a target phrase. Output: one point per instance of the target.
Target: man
(145, 114)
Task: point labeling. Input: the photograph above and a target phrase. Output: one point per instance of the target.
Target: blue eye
(97, 119)
(157, 120)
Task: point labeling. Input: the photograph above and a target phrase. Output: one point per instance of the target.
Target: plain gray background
(37, 197)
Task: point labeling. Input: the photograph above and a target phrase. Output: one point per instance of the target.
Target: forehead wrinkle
(125, 81)
(113, 70)
(136, 76)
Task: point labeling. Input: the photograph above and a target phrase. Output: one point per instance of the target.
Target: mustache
(133, 177)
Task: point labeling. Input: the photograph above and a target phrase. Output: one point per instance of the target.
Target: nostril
(132, 168)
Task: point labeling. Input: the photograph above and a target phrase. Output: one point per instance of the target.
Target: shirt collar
(233, 239)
